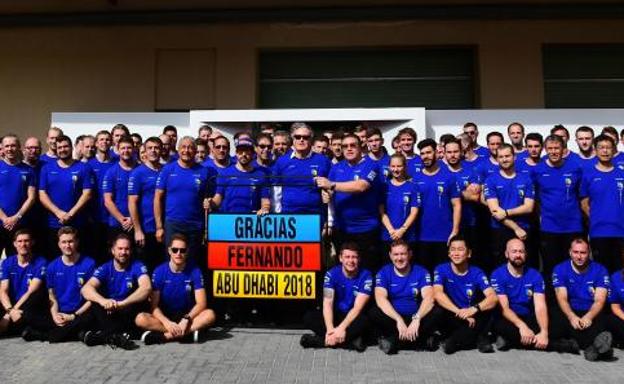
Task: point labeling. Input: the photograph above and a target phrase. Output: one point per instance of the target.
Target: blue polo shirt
(482, 151)
(347, 288)
(466, 176)
(177, 289)
(384, 167)
(435, 219)
(616, 289)
(118, 285)
(299, 191)
(399, 201)
(404, 292)
(510, 193)
(485, 168)
(97, 202)
(356, 212)
(116, 182)
(210, 163)
(20, 277)
(242, 191)
(414, 166)
(463, 290)
(185, 190)
(557, 190)
(142, 183)
(67, 280)
(581, 287)
(525, 168)
(605, 191)
(519, 290)
(64, 186)
(14, 183)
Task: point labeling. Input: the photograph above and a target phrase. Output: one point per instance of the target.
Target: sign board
(271, 257)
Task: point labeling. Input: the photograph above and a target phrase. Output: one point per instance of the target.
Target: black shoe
(153, 337)
(502, 344)
(450, 346)
(117, 340)
(590, 353)
(484, 345)
(31, 334)
(358, 344)
(432, 343)
(388, 346)
(311, 341)
(565, 346)
(91, 338)
(603, 341)
(607, 356)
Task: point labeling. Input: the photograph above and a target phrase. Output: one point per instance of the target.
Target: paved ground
(274, 356)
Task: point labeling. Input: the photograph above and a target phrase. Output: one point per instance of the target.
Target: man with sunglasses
(294, 175)
(178, 299)
(472, 131)
(219, 159)
(264, 157)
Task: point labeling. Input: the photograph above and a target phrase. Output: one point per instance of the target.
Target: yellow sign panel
(264, 285)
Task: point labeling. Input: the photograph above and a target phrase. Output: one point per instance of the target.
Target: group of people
(532, 190)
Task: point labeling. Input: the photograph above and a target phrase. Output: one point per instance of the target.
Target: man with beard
(489, 165)
(346, 291)
(585, 141)
(440, 211)
(64, 190)
(281, 144)
(581, 287)
(510, 199)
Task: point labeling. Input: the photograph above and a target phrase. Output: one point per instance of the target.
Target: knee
(141, 320)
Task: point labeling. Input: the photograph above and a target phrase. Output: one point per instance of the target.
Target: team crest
(568, 181)
(74, 178)
(469, 292)
(356, 177)
(314, 172)
(415, 292)
(591, 290)
(620, 185)
(129, 284)
(81, 281)
(440, 189)
(406, 199)
(386, 172)
(521, 193)
(529, 292)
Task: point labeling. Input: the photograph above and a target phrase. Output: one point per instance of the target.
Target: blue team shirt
(64, 186)
(118, 285)
(399, 201)
(587, 162)
(299, 191)
(97, 202)
(20, 277)
(210, 163)
(242, 191)
(616, 288)
(185, 190)
(142, 183)
(463, 290)
(347, 288)
(414, 166)
(435, 219)
(485, 168)
(356, 212)
(466, 176)
(605, 191)
(581, 287)
(525, 168)
(482, 152)
(519, 290)
(404, 292)
(510, 193)
(557, 190)
(116, 182)
(618, 160)
(384, 166)
(45, 158)
(177, 289)
(14, 183)
(67, 280)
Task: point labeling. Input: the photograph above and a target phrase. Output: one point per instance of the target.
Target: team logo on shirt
(24, 178)
(368, 285)
(521, 192)
(314, 172)
(440, 189)
(197, 182)
(81, 281)
(568, 181)
(129, 284)
(592, 290)
(386, 172)
(74, 179)
(356, 177)
(415, 292)
(529, 292)
(188, 287)
(469, 292)
(406, 199)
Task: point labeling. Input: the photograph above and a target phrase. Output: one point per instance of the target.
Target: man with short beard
(472, 131)
(282, 143)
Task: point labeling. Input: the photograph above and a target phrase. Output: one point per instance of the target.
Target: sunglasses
(264, 146)
(178, 250)
(352, 145)
(301, 137)
(221, 147)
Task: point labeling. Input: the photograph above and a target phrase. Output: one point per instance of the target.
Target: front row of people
(459, 305)
(72, 298)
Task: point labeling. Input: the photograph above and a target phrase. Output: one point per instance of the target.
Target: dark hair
(78, 139)
(121, 236)
(372, 132)
(470, 124)
(560, 127)
(492, 134)
(23, 231)
(505, 146)
(427, 143)
(201, 142)
(320, 138)
(398, 243)
(122, 127)
(515, 123)
(350, 246)
(352, 135)
(555, 138)
(579, 239)
(444, 139)
(154, 139)
(67, 230)
(261, 136)
(170, 128)
(125, 139)
(137, 136)
(407, 131)
(205, 127)
(102, 132)
(338, 135)
(602, 137)
(534, 136)
(62, 139)
(610, 130)
(361, 128)
(459, 237)
(178, 236)
(452, 140)
(585, 128)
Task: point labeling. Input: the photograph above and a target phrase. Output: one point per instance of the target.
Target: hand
(185, 324)
(339, 335)
(541, 340)
(66, 218)
(323, 183)
(402, 328)
(520, 234)
(471, 322)
(207, 204)
(465, 313)
(576, 323)
(126, 224)
(60, 215)
(58, 319)
(262, 211)
(453, 234)
(398, 234)
(174, 329)
(15, 315)
(527, 336)
(499, 214)
(109, 305)
(412, 330)
(139, 237)
(586, 322)
(160, 235)
(330, 338)
(10, 222)
(326, 196)
(474, 189)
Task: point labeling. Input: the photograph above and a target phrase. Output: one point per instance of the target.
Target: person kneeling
(179, 303)
(464, 299)
(346, 291)
(117, 291)
(404, 296)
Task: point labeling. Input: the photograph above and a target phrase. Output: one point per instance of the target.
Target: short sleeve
(603, 280)
(584, 190)
(197, 278)
(108, 182)
(415, 196)
(530, 189)
(51, 272)
(43, 178)
(489, 189)
(497, 284)
(328, 281)
(88, 180)
(438, 276)
(558, 278)
(100, 272)
(4, 273)
(482, 280)
(538, 283)
(32, 180)
(366, 287)
(371, 172)
(381, 280)
(424, 279)
(134, 183)
(161, 181)
(157, 279)
(454, 187)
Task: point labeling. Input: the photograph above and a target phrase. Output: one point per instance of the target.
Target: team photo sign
(269, 257)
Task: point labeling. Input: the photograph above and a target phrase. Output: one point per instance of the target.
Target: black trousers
(608, 252)
(479, 257)
(555, 248)
(458, 331)
(431, 254)
(152, 253)
(561, 328)
(6, 240)
(314, 321)
(368, 244)
(35, 312)
(116, 322)
(386, 326)
(615, 325)
(508, 331)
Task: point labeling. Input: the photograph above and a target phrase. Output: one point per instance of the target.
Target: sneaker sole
(603, 341)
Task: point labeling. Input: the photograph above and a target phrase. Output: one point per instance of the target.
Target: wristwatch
(415, 316)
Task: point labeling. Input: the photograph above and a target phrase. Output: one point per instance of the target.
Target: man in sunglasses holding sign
(179, 302)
